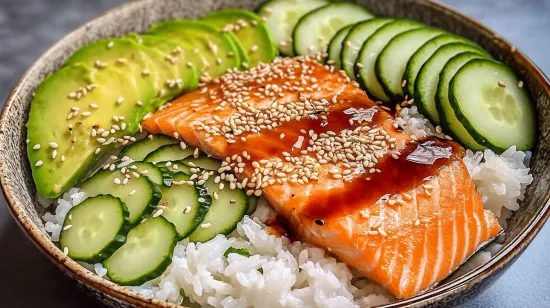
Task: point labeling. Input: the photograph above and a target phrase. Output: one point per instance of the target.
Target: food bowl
(19, 189)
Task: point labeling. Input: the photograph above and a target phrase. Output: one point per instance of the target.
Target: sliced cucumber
(146, 254)
(314, 30)
(175, 167)
(203, 162)
(446, 112)
(139, 194)
(489, 103)
(335, 47)
(369, 52)
(140, 149)
(426, 82)
(185, 205)
(224, 214)
(281, 16)
(353, 42)
(170, 152)
(252, 205)
(251, 33)
(423, 54)
(95, 228)
(393, 59)
(149, 170)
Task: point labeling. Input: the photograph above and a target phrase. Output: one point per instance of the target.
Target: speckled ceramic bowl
(19, 190)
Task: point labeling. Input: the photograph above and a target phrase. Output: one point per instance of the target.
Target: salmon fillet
(338, 169)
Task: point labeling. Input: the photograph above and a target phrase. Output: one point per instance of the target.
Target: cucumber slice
(139, 194)
(369, 52)
(95, 228)
(335, 47)
(175, 167)
(281, 16)
(492, 107)
(314, 30)
(146, 254)
(215, 51)
(393, 59)
(423, 54)
(141, 148)
(170, 152)
(224, 214)
(353, 42)
(250, 31)
(428, 77)
(252, 205)
(149, 170)
(186, 205)
(446, 112)
(203, 162)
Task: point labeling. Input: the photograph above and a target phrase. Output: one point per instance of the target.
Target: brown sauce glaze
(396, 176)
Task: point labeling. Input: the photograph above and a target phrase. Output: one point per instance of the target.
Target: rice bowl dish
(252, 252)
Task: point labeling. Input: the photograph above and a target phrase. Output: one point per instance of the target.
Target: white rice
(283, 274)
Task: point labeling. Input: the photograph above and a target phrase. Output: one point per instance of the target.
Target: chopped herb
(240, 251)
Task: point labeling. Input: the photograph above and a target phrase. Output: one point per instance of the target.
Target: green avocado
(216, 50)
(170, 60)
(127, 56)
(77, 114)
(251, 32)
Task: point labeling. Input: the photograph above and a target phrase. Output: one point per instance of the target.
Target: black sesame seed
(320, 222)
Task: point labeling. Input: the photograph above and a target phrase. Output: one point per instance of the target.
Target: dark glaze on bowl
(19, 190)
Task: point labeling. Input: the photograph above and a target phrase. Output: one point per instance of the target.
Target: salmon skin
(338, 169)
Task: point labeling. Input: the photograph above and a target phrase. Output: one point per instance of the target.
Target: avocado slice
(170, 60)
(128, 57)
(251, 32)
(218, 51)
(68, 115)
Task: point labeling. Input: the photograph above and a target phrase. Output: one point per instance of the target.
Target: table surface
(29, 27)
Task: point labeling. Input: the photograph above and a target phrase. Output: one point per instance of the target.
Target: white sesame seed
(39, 163)
(158, 213)
(139, 103)
(206, 225)
(66, 250)
(120, 100)
(501, 84)
(132, 192)
(36, 147)
(520, 84)
(54, 154)
(117, 181)
(187, 209)
(110, 45)
(67, 227)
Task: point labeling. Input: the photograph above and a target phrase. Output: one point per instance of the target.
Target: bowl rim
(120, 293)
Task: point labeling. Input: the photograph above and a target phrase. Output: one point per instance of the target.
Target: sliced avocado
(171, 64)
(252, 33)
(127, 56)
(68, 109)
(217, 49)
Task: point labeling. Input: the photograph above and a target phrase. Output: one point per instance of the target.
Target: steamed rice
(283, 274)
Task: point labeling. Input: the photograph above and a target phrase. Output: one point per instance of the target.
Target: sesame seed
(66, 250)
(117, 181)
(120, 100)
(520, 84)
(417, 222)
(39, 163)
(139, 103)
(97, 150)
(401, 202)
(158, 213)
(438, 129)
(501, 84)
(110, 45)
(54, 154)
(63, 158)
(86, 114)
(36, 147)
(404, 83)
(187, 209)
(145, 73)
(206, 225)
(391, 202)
(382, 232)
(132, 192)
(94, 106)
(67, 227)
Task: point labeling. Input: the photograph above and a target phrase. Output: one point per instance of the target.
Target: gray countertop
(29, 27)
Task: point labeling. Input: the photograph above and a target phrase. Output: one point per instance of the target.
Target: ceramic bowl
(137, 16)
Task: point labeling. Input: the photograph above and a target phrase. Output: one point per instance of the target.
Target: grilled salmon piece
(338, 169)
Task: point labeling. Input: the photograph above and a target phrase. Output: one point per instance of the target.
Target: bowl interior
(138, 16)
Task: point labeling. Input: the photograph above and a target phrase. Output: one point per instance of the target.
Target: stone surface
(29, 27)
